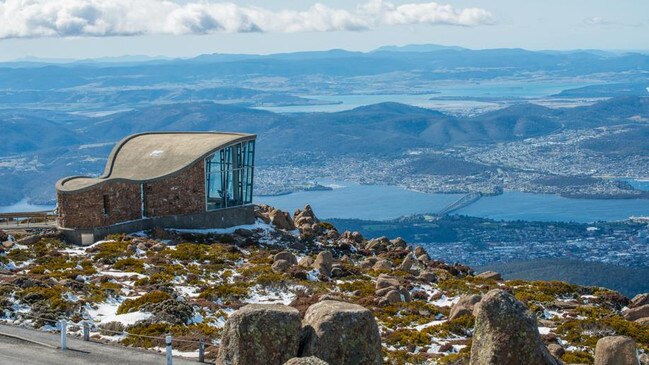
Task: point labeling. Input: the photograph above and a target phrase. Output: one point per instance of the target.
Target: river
(380, 202)
(502, 89)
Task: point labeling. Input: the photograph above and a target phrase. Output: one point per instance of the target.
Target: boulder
(311, 360)
(407, 263)
(281, 220)
(464, 306)
(378, 244)
(260, 331)
(352, 237)
(287, 256)
(382, 265)
(306, 261)
(616, 350)
(342, 334)
(642, 321)
(305, 219)
(391, 297)
(420, 251)
(636, 313)
(490, 275)
(262, 211)
(639, 300)
(324, 262)
(427, 276)
(281, 266)
(556, 350)
(398, 243)
(506, 333)
(386, 281)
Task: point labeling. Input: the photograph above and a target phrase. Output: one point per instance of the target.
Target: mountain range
(63, 143)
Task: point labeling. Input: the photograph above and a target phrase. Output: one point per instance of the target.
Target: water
(378, 202)
(372, 202)
(513, 205)
(638, 184)
(512, 89)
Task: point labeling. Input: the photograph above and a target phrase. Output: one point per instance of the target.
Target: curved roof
(151, 156)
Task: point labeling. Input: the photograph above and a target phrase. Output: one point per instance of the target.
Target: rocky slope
(192, 284)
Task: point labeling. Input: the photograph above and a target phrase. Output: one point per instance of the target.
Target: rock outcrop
(507, 334)
(389, 291)
(306, 221)
(260, 331)
(616, 350)
(342, 334)
(464, 306)
(639, 300)
(490, 275)
(287, 256)
(324, 263)
(633, 314)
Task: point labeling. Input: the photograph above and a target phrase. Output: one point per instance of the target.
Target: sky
(79, 29)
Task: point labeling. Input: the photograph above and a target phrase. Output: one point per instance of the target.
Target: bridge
(464, 201)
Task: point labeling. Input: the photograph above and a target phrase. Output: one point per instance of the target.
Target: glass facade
(229, 175)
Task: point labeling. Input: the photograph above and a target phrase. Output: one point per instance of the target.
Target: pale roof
(150, 156)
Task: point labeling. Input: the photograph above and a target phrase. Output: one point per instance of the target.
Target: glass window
(229, 176)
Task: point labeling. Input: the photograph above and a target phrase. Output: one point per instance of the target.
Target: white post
(86, 331)
(64, 339)
(170, 360)
(201, 351)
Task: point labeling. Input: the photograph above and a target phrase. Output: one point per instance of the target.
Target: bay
(381, 202)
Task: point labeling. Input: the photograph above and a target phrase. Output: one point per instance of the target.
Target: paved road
(19, 352)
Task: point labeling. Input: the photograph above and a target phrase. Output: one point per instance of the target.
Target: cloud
(70, 18)
(596, 20)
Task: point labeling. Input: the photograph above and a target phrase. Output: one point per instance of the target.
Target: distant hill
(26, 131)
(629, 281)
(181, 117)
(380, 128)
(418, 48)
(50, 143)
(430, 62)
(609, 89)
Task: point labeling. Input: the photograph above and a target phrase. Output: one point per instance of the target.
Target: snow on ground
(190, 291)
(107, 312)
(122, 274)
(187, 354)
(260, 295)
(81, 250)
(429, 324)
(445, 301)
(257, 225)
(544, 330)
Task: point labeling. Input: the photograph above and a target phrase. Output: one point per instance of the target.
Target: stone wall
(177, 195)
(85, 209)
(221, 218)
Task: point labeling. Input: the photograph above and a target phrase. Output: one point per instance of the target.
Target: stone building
(184, 180)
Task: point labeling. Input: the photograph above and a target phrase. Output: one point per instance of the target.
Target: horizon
(128, 57)
(84, 29)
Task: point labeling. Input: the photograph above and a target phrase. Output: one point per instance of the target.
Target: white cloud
(69, 18)
(596, 20)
